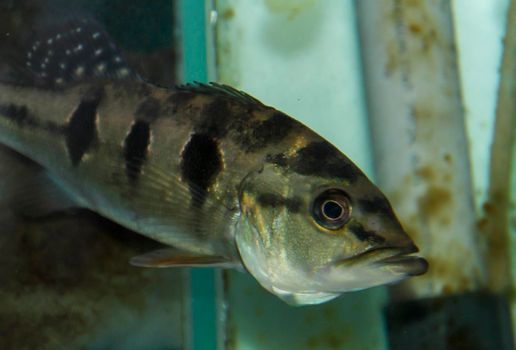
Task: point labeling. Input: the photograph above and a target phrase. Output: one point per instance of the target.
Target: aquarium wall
(265, 47)
(419, 94)
(65, 281)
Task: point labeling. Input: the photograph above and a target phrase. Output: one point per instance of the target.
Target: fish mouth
(396, 259)
(409, 264)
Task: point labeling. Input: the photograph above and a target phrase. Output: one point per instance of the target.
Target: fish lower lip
(411, 265)
(397, 259)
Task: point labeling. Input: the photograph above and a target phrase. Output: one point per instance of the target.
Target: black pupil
(332, 210)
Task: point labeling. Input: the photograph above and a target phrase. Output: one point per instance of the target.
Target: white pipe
(495, 224)
(419, 139)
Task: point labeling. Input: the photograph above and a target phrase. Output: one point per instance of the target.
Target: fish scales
(208, 170)
(110, 131)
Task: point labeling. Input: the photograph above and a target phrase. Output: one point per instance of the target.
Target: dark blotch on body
(22, 117)
(274, 200)
(364, 235)
(216, 118)
(81, 131)
(324, 160)
(18, 114)
(179, 100)
(148, 110)
(201, 161)
(268, 132)
(225, 114)
(136, 146)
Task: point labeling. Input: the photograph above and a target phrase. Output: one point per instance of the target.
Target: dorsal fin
(72, 51)
(217, 89)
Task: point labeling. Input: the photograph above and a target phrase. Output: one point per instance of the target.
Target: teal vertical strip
(203, 309)
(203, 305)
(193, 31)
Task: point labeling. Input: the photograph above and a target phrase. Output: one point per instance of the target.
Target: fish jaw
(373, 268)
(297, 285)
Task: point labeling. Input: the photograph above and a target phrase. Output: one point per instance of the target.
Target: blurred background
(420, 94)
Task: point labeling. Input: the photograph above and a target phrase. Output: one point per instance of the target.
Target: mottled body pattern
(96, 123)
(82, 135)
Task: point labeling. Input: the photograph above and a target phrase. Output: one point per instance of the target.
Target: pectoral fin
(171, 257)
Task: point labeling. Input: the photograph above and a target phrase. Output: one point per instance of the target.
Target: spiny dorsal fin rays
(217, 89)
(72, 51)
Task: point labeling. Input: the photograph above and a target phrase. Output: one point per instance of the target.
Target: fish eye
(331, 209)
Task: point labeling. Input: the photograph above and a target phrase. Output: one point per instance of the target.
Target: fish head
(308, 236)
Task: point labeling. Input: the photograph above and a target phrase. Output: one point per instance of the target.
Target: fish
(218, 177)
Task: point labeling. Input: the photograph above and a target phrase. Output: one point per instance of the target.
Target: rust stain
(429, 174)
(489, 225)
(412, 3)
(439, 268)
(411, 37)
(228, 14)
(447, 289)
(434, 200)
(291, 9)
(502, 164)
(426, 172)
(414, 28)
(494, 227)
(393, 60)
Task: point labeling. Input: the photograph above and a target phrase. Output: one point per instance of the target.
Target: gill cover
(309, 238)
(272, 239)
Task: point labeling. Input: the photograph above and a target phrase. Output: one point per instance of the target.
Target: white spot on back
(59, 81)
(50, 41)
(101, 68)
(62, 65)
(78, 29)
(98, 52)
(29, 54)
(28, 64)
(118, 59)
(46, 60)
(68, 52)
(123, 72)
(58, 36)
(43, 66)
(95, 35)
(78, 48)
(79, 71)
